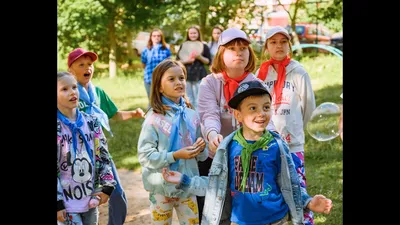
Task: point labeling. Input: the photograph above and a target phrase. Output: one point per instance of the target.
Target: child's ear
(237, 115)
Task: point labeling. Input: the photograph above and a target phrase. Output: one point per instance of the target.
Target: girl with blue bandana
(94, 100)
(84, 175)
(170, 138)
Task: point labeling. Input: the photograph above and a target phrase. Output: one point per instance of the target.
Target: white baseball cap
(230, 34)
(275, 30)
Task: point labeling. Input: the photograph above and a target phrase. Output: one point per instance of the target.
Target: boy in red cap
(93, 100)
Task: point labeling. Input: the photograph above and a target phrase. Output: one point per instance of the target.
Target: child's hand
(320, 204)
(171, 176)
(94, 202)
(61, 215)
(200, 143)
(103, 197)
(138, 113)
(188, 152)
(214, 142)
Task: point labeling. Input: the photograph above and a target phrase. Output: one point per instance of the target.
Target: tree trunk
(204, 5)
(113, 50)
(129, 39)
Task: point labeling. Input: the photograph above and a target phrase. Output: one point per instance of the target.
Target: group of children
(242, 149)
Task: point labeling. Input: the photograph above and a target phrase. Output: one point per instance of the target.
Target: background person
(213, 44)
(155, 52)
(195, 65)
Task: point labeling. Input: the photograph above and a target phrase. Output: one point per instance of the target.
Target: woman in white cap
(293, 98)
(233, 64)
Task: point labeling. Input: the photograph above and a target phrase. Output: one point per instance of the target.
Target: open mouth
(73, 99)
(86, 75)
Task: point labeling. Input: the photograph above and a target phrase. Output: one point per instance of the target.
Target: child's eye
(243, 48)
(182, 78)
(252, 108)
(266, 108)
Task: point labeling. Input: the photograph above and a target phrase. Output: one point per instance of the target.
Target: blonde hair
(218, 64)
(158, 73)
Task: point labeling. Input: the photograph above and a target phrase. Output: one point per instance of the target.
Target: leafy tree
(103, 26)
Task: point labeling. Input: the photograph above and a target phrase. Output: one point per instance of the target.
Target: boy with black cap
(252, 178)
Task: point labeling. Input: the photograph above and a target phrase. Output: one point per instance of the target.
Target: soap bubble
(324, 122)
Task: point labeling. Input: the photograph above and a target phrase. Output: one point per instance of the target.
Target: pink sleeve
(208, 106)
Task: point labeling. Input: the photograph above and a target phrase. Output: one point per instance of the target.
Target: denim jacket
(215, 187)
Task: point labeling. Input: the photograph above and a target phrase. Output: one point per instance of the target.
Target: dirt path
(138, 200)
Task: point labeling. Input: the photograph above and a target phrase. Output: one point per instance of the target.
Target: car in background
(337, 40)
(141, 40)
(309, 33)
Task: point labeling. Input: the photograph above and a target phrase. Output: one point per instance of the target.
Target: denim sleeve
(149, 153)
(196, 185)
(304, 195)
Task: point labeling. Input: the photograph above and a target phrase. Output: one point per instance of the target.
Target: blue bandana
(76, 127)
(89, 98)
(180, 115)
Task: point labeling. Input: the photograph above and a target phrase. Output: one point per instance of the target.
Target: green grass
(324, 160)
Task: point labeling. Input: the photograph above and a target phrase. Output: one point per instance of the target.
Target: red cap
(78, 52)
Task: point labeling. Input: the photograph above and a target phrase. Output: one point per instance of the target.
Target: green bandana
(248, 149)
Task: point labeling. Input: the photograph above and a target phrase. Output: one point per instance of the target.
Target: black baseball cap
(245, 90)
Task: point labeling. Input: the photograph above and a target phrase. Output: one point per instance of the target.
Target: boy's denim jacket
(215, 187)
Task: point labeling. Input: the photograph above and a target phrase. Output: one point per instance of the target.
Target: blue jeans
(117, 204)
(90, 217)
(147, 87)
(192, 91)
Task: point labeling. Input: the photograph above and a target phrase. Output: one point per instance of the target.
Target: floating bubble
(324, 122)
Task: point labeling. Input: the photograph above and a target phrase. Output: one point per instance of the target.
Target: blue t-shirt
(262, 202)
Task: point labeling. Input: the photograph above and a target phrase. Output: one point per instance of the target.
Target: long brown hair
(150, 42)
(158, 73)
(198, 31)
(218, 64)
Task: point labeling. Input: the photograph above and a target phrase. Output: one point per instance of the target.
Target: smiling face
(254, 112)
(278, 46)
(82, 69)
(193, 34)
(67, 93)
(173, 84)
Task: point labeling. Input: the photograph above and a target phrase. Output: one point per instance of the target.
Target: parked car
(309, 34)
(140, 42)
(337, 40)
